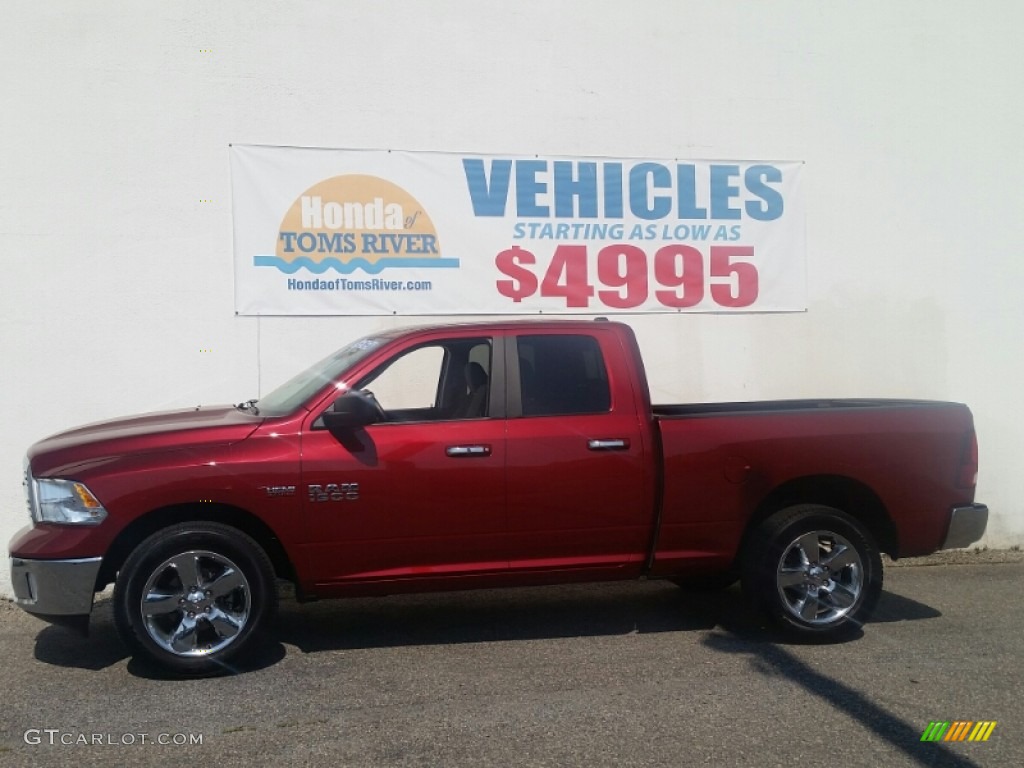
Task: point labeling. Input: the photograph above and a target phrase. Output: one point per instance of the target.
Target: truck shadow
(540, 613)
(471, 617)
(729, 626)
(103, 648)
(773, 660)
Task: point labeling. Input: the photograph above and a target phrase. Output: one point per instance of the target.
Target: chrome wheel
(820, 577)
(196, 603)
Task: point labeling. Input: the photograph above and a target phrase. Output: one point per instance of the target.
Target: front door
(421, 495)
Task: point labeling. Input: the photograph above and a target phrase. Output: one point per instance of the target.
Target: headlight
(63, 501)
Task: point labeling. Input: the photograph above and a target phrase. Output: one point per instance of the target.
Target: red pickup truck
(482, 455)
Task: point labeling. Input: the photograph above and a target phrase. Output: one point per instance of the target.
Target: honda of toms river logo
(958, 730)
(352, 222)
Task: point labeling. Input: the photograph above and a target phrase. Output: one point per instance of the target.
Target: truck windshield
(294, 392)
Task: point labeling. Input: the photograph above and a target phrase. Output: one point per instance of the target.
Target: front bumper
(59, 591)
(966, 525)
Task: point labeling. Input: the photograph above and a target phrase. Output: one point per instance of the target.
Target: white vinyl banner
(377, 232)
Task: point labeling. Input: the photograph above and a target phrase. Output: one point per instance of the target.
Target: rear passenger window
(562, 375)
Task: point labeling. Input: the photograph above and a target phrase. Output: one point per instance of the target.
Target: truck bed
(781, 406)
(722, 460)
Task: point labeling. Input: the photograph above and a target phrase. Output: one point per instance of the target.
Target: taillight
(967, 477)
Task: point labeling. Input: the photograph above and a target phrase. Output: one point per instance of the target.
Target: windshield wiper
(249, 405)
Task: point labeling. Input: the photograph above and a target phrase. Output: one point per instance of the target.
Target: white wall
(115, 124)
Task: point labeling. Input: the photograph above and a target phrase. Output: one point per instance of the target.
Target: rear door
(577, 485)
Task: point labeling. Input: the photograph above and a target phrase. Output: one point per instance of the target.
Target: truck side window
(562, 374)
(448, 379)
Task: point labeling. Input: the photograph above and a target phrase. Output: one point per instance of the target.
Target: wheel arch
(163, 517)
(840, 492)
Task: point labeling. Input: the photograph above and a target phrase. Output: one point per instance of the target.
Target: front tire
(193, 596)
(816, 571)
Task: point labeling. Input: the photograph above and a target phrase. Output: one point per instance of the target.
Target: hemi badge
(279, 490)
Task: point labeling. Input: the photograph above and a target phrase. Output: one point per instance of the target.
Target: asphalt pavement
(627, 674)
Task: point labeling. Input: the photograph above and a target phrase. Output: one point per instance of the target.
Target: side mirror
(353, 410)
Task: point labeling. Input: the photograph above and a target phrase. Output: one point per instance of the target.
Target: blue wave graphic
(347, 268)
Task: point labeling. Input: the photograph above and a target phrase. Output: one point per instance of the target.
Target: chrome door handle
(459, 451)
(609, 444)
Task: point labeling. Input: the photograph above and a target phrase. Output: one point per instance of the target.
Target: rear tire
(816, 571)
(193, 596)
